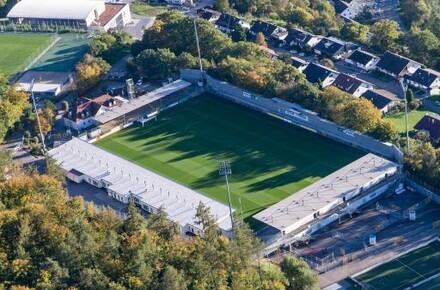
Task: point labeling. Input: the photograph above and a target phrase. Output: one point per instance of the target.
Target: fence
(423, 188)
(295, 114)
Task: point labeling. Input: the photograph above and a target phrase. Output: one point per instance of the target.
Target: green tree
(156, 64)
(409, 95)
(221, 5)
(299, 275)
(385, 34)
(385, 131)
(52, 169)
(238, 33)
(160, 224)
(173, 279)
(355, 31)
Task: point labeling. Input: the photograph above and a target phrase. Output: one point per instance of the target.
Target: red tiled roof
(111, 9)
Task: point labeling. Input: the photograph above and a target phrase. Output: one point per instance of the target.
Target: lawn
(270, 159)
(16, 48)
(406, 270)
(398, 119)
(145, 9)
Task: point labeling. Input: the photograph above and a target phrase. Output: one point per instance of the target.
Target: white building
(362, 59)
(77, 14)
(311, 208)
(46, 83)
(126, 181)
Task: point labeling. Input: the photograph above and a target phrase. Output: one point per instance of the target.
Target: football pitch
(406, 270)
(16, 48)
(270, 159)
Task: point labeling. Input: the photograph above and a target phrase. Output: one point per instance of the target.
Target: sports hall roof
(54, 9)
(311, 199)
(141, 101)
(127, 178)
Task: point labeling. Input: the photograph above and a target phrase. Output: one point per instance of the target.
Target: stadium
(179, 135)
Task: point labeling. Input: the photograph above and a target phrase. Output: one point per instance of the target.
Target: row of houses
(391, 64)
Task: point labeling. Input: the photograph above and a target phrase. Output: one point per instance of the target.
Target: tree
(361, 115)
(186, 60)
(260, 40)
(355, 31)
(45, 125)
(385, 34)
(160, 224)
(221, 5)
(89, 72)
(385, 131)
(238, 33)
(52, 169)
(172, 279)
(64, 106)
(299, 275)
(409, 95)
(156, 64)
(13, 105)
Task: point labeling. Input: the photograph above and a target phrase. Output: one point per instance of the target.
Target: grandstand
(317, 204)
(126, 181)
(141, 107)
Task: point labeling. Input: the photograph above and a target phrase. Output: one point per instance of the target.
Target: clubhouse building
(86, 15)
(125, 181)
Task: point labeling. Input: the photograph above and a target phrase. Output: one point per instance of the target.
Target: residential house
(80, 117)
(331, 47)
(208, 14)
(345, 10)
(270, 31)
(362, 59)
(426, 79)
(352, 85)
(299, 63)
(318, 74)
(227, 22)
(301, 39)
(396, 65)
(430, 124)
(381, 99)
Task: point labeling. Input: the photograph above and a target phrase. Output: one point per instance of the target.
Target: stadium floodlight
(404, 85)
(31, 89)
(225, 170)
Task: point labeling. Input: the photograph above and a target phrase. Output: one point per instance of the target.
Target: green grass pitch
(406, 270)
(15, 48)
(270, 159)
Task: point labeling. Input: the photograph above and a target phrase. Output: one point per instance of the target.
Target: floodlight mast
(405, 89)
(31, 89)
(225, 170)
(198, 48)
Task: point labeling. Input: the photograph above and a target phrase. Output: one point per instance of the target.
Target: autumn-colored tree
(261, 40)
(361, 115)
(89, 72)
(45, 125)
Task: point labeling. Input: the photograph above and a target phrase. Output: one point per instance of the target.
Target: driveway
(388, 9)
(138, 25)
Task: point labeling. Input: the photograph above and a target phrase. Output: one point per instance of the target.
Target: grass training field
(16, 48)
(398, 119)
(406, 270)
(270, 159)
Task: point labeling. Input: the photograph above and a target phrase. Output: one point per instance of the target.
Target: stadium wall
(300, 117)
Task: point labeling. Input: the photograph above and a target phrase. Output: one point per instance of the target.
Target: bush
(65, 106)
(414, 104)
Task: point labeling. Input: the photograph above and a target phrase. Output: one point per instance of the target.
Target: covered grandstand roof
(141, 101)
(54, 9)
(311, 199)
(127, 178)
